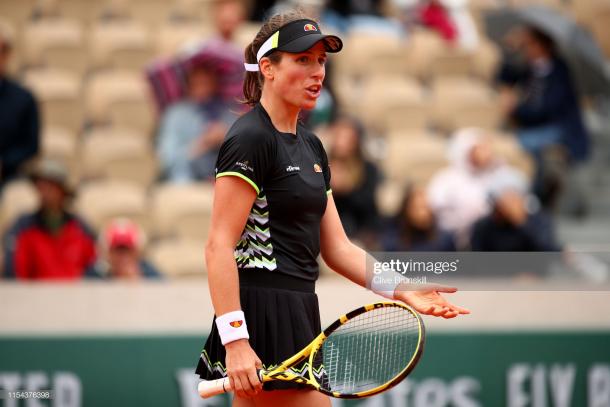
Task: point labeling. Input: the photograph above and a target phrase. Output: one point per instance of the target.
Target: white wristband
(232, 326)
(385, 282)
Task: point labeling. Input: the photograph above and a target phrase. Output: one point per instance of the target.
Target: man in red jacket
(50, 243)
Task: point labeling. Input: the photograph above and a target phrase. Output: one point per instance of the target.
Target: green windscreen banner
(537, 369)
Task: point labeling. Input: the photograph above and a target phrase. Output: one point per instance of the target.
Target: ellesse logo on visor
(236, 324)
(310, 27)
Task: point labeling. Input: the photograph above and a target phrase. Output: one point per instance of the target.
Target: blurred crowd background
(476, 125)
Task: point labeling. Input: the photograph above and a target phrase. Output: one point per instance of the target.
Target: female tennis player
(273, 214)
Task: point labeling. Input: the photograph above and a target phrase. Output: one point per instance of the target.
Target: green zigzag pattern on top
(254, 249)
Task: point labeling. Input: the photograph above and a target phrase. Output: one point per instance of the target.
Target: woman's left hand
(428, 300)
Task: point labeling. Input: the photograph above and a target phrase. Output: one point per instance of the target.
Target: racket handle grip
(210, 388)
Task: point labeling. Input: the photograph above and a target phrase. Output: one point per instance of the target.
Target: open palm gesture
(428, 300)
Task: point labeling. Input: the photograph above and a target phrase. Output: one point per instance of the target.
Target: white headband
(267, 46)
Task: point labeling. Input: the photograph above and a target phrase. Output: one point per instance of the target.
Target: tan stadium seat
(121, 98)
(115, 131)
(406, 135)
(600, 27)
(507, 147)
(389, 196)
(61, 145)
(121, 44)
(18, 197)
(365, 53)
(55, 43)
(182, 210)
(17, 11)
(173, 37)
(101, 201)
(487, 60)
(179, 257)
(119, 158)
(393, 103)
(58, 93)
(585, 11)
(422, 48)
(151, 13)
(416, 159)
(83, 11)
(464, 102)
(246, 32)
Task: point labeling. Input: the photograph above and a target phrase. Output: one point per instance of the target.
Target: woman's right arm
(233, 199)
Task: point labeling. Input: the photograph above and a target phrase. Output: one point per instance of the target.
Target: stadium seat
(115, 131)
(414, 160)
(246, 33)
(508, 148)
(83, 11)
(389, 196)
(393, 103)
(194, 9)
(59, 95)
(486, 60)
(55, 43)
(182, 210)
(101, 201)
(179, 257)
(61, 145)
(463, 102)
(422, 48)
(151, 13)
(364, 53)
(600, 26)
(120, 44)
(121, 98)
(174, 36)
(17, 11)
(18, 197)
(114, 157)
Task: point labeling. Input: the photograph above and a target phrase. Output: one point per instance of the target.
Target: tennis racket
(363, 353)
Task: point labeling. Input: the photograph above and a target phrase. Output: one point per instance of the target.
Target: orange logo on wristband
(236, 324)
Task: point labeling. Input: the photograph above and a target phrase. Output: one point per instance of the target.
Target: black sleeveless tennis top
(291, 177)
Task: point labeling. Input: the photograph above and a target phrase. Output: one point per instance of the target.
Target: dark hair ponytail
(253, 82)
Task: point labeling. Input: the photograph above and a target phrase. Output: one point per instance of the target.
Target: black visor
(301, 35)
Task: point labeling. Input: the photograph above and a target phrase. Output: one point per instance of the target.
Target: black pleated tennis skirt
(282, 315)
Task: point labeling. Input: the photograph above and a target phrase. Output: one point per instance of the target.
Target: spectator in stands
(191, 131)
(435, 16)
(51, 243)
(354, 181)
(539, 99)
(516, 223)
(19, 121)
(458, 194)
(359, 15)
(228, 17)
(121, 246)
(414, 227)
(452, 20)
